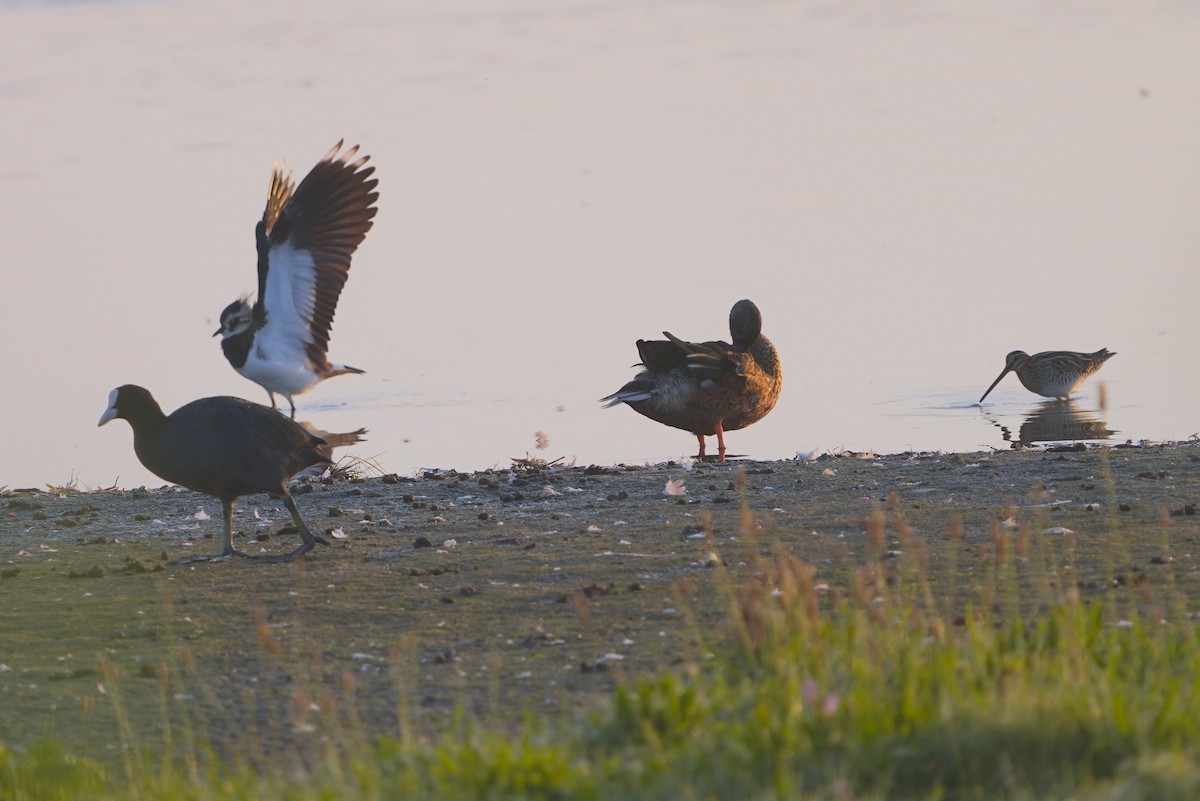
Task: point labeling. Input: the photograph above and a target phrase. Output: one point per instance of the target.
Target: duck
(1052, 373)
(707, 388)
(227, 448)
(306, 238)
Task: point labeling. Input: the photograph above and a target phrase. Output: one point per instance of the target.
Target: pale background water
(908, 190)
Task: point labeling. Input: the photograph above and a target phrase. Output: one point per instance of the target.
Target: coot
(224, 447)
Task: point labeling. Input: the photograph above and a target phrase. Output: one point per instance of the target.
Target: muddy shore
(507, 592)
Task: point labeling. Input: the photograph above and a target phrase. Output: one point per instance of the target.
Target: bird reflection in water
(1057, 421)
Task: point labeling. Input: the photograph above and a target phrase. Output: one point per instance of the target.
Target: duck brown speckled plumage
(707, 388)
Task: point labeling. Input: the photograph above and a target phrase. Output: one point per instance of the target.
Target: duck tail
(632, 392)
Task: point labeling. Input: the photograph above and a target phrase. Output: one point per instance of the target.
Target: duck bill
(994, 383)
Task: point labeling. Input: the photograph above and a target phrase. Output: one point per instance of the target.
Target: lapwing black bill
(306, 238)
(227, 448)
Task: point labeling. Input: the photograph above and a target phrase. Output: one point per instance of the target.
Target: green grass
(862, 703)
(900, 676)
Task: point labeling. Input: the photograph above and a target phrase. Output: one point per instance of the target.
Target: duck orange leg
(720, 442)
(700, 439)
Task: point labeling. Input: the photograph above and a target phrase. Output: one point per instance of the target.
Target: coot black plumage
(305, 240)
(224, 447)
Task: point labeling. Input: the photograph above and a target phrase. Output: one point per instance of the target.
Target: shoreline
(370, 468)
(360, 479)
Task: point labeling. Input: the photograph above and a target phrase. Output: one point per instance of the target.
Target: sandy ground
(524, 590)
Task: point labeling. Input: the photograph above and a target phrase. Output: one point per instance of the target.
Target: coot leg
(227, 549)
(310, 540)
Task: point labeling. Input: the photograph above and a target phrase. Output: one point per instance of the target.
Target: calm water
(907, 190)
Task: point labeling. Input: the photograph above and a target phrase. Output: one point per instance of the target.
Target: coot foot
(220, 557)
(280, 558)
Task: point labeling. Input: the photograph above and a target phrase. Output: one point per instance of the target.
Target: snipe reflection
(1057, 421)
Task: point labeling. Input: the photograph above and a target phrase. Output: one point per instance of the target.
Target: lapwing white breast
(306, 237)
